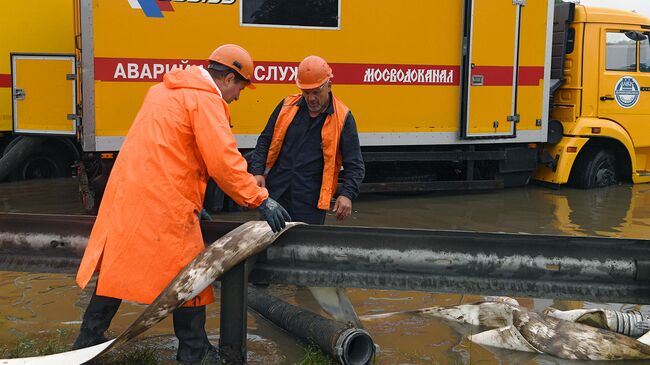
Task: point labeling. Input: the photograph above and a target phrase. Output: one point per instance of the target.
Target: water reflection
(45, 302)
(53, 196)
(614, 212)
(618, 211)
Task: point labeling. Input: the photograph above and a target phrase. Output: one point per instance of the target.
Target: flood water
(39, 304)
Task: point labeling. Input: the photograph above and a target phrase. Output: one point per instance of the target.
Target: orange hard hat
(313, 71)
(236, 58)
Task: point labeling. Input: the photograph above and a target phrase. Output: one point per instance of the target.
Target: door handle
(19, 94)
(606, 97)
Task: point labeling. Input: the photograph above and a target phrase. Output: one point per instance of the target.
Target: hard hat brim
(314, 85)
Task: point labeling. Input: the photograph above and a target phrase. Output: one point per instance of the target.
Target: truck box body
(446, 94)
(399, 69)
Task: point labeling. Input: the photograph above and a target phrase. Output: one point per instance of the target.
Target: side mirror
(636, 36)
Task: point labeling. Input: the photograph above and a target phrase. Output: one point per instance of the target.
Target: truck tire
(217, 201)
(594, 168)
(16, 153)
(46, 163)
(214, 198)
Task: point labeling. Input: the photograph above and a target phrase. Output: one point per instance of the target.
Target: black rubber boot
(97, 318)
(193, 344)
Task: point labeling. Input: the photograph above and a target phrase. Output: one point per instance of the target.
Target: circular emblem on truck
(627, 92)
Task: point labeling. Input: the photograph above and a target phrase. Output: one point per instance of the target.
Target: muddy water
(37, 304)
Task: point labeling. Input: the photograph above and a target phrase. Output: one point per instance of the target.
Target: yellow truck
(459, 94)
(598, 129)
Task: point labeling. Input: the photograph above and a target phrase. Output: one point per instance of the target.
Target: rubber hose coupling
(354, 346)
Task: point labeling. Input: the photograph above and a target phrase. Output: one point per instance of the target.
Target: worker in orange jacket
(306, 141)
(147, 228)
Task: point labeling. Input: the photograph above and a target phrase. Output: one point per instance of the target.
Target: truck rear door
(44, 94)
(504, 53)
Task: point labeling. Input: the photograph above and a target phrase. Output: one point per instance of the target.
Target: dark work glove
(274, 214)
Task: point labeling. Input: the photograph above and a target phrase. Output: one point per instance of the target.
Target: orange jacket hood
(190, 77)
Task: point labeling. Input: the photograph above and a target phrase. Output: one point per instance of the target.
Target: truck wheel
(47, 163)
(217, 201)
(214, 198)
(595, 169)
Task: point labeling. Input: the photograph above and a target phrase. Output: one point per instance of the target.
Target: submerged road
(29, 301)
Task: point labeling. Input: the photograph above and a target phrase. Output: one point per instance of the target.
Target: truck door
(490, 67)
(624, 87)
(44, 94)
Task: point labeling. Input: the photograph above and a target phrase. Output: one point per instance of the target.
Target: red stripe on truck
(151, 70)
(267, 72)
(5, 80)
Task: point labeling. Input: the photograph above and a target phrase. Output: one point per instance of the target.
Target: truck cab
(601, 112)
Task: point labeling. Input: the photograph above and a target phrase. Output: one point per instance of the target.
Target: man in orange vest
(147, 228)
(306, 141)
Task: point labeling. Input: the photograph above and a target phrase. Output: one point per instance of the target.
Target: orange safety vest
(330, 134)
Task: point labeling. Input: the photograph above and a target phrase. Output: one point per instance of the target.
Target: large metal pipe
(342, 341)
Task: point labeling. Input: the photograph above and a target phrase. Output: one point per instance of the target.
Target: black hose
(345, 343)
(18, 153)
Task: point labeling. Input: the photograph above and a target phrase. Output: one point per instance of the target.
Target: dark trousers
(299, 211)
(189, 327)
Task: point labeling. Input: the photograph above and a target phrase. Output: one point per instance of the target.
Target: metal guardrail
(541, 266)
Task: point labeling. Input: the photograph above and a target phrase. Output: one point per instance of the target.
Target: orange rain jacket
(147, 228)
(331, 135)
